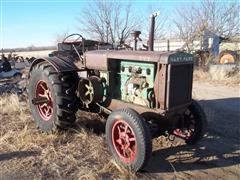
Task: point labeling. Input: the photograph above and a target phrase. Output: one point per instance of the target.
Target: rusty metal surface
(227, 58)
(151, 34)
(96, 60)
(118, 104)
(160, 86)
(99, 59)
(59, 64)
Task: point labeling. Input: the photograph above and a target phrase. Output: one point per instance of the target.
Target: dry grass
(223, 74)
(78, 153)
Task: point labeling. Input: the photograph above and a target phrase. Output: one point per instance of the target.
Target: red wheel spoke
(41, 95)
(124, 141)
(125, 129)
(48, 110)
(43, 88)
(119, 131)
(45, 109)
(43, 105)
(119, 141)
(132, 139)
(132, 153)
(49, 95)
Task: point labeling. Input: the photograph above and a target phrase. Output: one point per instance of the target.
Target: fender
(59, 64)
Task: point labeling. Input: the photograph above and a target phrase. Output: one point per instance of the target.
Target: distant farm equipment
(225, 50)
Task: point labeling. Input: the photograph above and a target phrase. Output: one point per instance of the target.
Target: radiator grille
(180, 87)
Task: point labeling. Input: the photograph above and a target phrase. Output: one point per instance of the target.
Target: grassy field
(79, 152)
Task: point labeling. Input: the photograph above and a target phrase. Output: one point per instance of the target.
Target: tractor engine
(136, 83)
(153, 81)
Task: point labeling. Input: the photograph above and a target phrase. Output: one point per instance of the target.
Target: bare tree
(108, 21)
(220, 18)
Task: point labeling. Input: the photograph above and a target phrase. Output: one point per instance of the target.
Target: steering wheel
(78, 36)
(81, 43)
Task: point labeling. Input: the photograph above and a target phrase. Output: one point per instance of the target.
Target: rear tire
(59, 111)
(129, 138)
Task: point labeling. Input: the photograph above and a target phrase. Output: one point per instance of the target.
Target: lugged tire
(63, 88)
(142, 134)
(201, 123)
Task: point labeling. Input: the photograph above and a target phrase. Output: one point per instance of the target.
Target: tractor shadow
(206, 155)
(219, 148)
(18, 155)
(90, 122)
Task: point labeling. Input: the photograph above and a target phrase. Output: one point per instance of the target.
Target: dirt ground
(217, 156)
(81, 152)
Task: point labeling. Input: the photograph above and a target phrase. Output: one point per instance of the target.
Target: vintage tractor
(145, 94)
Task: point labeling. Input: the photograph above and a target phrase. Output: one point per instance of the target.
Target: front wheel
(129, 138)
(194, 124)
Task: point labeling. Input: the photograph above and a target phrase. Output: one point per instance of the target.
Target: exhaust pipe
(151, 31)
(136, 37)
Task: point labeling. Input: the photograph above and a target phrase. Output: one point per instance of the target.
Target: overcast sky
(38, 22)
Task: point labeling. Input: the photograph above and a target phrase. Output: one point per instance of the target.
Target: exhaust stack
(151, 31)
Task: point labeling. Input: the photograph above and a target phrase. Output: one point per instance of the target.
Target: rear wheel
(52, 97)
(129, 138)
(194, 124)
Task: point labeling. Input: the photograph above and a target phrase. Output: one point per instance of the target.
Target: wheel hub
(124, 141)
(187, 128)
(90, 90)
(43, 100)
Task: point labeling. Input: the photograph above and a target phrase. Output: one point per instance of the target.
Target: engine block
(136, 82)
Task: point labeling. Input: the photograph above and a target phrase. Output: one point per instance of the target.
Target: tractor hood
(99, 59)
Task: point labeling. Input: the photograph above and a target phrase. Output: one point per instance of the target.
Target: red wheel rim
(188, 129)
(45, 109)
(124, 141)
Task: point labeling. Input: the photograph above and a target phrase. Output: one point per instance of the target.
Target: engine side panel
(137, 81)
(131, 81)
